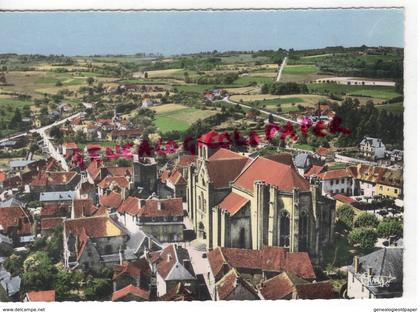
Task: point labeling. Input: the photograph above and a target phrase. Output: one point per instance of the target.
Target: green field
(300, 69)
(275, 102)
(178, 117)
(385, 93)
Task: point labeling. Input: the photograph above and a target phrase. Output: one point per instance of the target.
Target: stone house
(91, 243)
(171, 266)
(339, 181)
(161, 218)
(372, 148)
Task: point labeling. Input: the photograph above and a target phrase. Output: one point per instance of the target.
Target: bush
(365, 238)
(366, 220)
(390, 227)
(345, 215)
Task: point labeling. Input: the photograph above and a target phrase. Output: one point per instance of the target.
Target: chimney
(159, 205)
(356, 264)
(120, 252)
(370, 272)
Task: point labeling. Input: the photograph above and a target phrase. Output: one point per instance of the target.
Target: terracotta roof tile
(93, 227)
(314, 170)
(44, 296)
(283, 158)
(55, 210)
(130, 290)
(232, 203)
(323, 151)
(122, 182)
(223, 171)
(300, 264)
(335, 174)
(70, 145)
(344, 199)
(224, 153)
(230, 282)
(274, 173)
(111, 200)
(131, 206)
(16, 217)
(84, 208)
(277, 287)
(3, 176)
(50, 223)
(171, 207)
(177, 293)
(185, 160)
(322, 290)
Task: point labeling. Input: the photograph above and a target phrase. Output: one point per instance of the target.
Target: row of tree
(279, 88)
(367, 120)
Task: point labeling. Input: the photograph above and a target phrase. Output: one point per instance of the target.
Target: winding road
(227, 100)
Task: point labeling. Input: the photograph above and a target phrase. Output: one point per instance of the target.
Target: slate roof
(57, 196)
(170, 263)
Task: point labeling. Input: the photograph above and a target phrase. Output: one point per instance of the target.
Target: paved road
(227, 100)
(52, 150)
(281, 69)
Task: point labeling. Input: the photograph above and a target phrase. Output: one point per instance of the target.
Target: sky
(177, 32)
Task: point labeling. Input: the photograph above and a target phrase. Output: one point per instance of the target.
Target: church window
(284, 229)
(303, 231)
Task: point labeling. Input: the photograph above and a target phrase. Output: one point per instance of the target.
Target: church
(238, 201)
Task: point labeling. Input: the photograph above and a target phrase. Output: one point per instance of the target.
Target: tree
(3, 78)
(65, 283)
(390, 227)
(98, 289)
(90, 81)
(363, 237)
(38, 272)
(345, 215)
(366, 220)
(14, 264)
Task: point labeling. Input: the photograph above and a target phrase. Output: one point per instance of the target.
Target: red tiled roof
(16, 217)
(44, 296)
(283, 158)
(224, 153)
(213, 138)
(323, 151)
(131, 206)
(50, 223)
(55, 210)
(278, 287)
(274, 173)
(230, 282)
(70, 145)
(273, 259)
(130, 290)
(300, 264)
(233, 202)
(185, 160)
(334, 174)
(166, 260)
(171, 207)
(93, 227)
(322, 290)
(3, 176)
(314, 170)
(94, 169)
(84, 208)
(53, 178)
(93, 146)
(112, 200)
(344, 199)
(87, 188)
(165, 175)
(176, 178)
(117, 171)
(122, 182)
(133, 269)
(223, 171)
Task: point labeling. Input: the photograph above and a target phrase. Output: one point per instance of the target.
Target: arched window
(284, 240)
(200, 203)
(303, 231)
